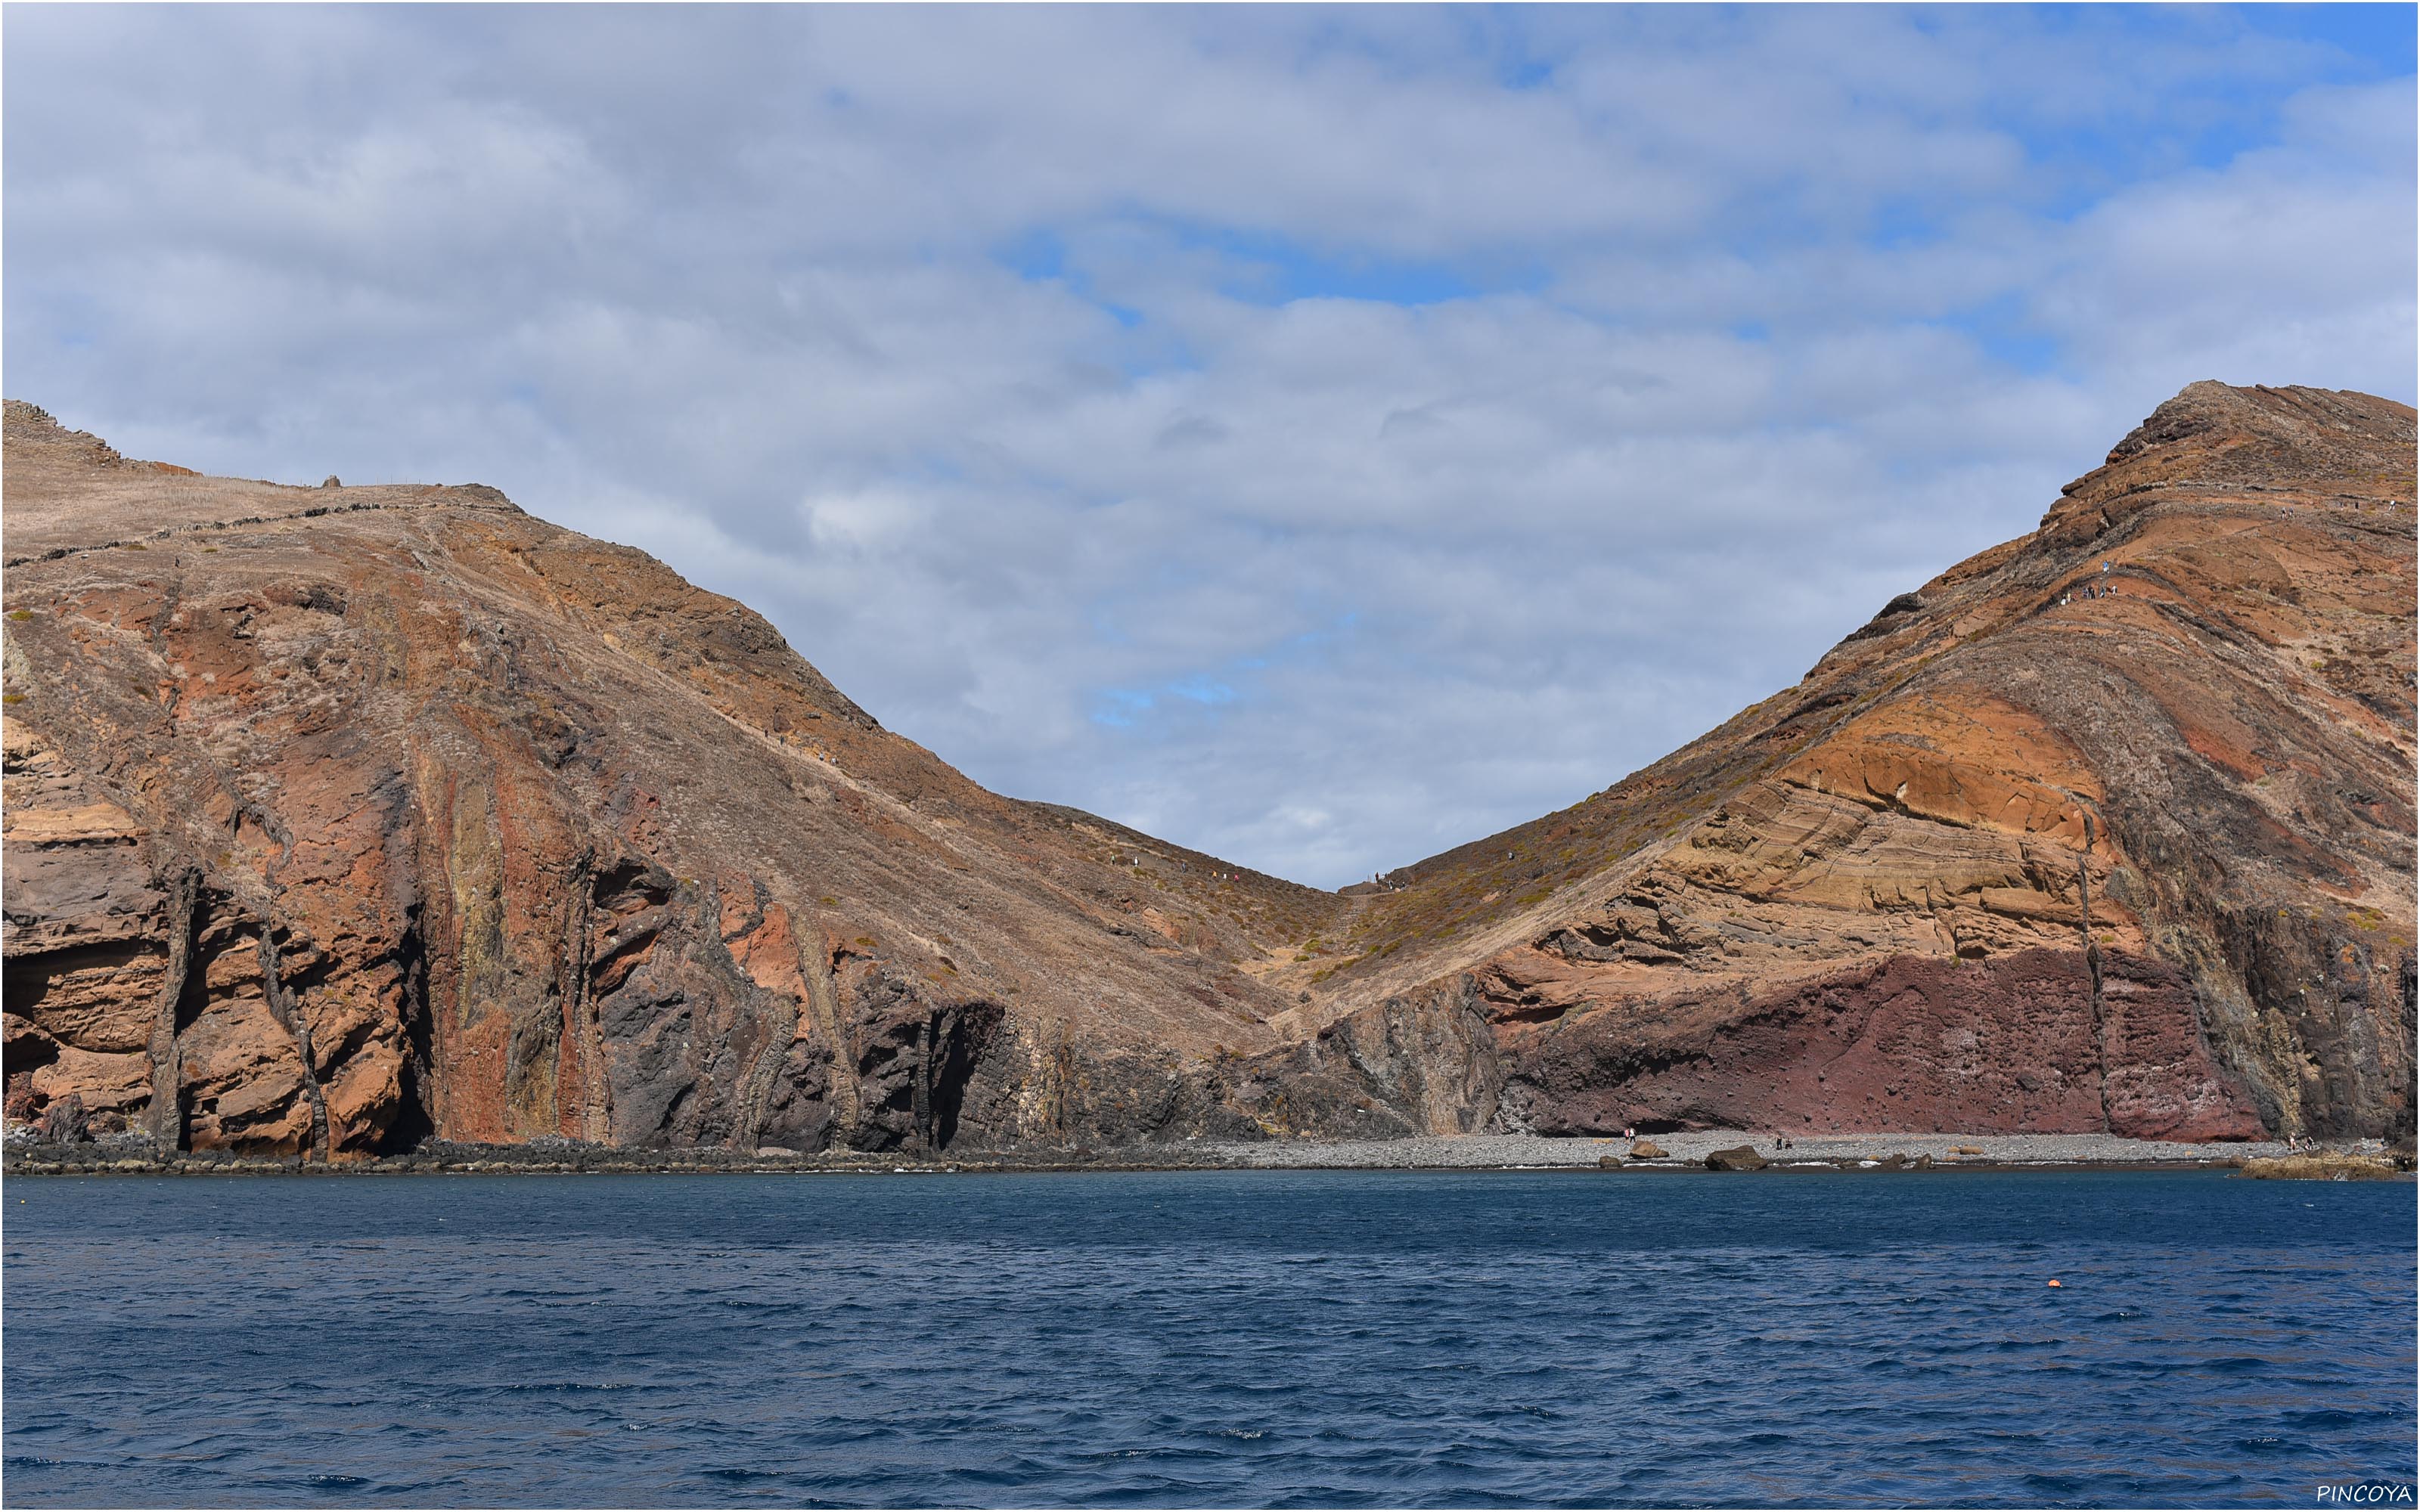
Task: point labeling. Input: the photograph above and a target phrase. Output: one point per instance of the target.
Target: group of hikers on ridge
(2091, 589)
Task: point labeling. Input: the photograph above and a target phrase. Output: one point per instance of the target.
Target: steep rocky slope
(2111, 827)
(340, 817)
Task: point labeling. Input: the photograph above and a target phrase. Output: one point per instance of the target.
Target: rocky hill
(2108, 828)
(339, 818)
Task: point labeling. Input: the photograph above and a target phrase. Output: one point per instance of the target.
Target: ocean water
(1251, 1337)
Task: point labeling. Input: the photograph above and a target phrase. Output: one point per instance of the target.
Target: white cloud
(1320, 436)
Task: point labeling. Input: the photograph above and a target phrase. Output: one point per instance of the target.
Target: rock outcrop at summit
(342, 817)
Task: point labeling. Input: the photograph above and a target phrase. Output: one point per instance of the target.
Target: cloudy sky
(1321, 436)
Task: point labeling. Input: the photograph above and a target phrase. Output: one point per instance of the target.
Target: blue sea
(1206, 1339)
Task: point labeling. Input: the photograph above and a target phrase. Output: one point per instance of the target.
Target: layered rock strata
(2108, 828)
(341, 817)
(338, 819)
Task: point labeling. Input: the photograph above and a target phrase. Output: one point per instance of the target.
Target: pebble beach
(1679, 1150)
(1527, 1152)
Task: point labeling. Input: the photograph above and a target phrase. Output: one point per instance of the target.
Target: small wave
(322, 1482)
(1508, 1341)
(2330, 1417)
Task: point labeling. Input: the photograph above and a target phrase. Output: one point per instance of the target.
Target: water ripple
(1249, 1338)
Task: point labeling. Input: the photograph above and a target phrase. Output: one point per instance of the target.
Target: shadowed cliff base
(345, 819)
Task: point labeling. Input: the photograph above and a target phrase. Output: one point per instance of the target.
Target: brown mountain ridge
(340, 818)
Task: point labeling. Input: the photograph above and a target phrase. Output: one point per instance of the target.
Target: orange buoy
(2054, 1281)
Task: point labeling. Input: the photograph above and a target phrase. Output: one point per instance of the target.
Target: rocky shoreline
(1676, 1151)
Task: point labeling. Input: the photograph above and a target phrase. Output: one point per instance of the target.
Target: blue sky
(1318, 436)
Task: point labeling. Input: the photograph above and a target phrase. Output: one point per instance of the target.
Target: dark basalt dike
(345, 819)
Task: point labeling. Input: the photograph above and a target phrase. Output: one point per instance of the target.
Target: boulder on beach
(1608, 1162)
(64, 1121)
(1648, 1150)
(1742, 1158)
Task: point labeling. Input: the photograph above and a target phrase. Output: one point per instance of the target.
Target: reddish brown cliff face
(337, 818)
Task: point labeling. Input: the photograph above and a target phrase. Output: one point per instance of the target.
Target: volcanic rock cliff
(339, 818)
(2110, 827)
